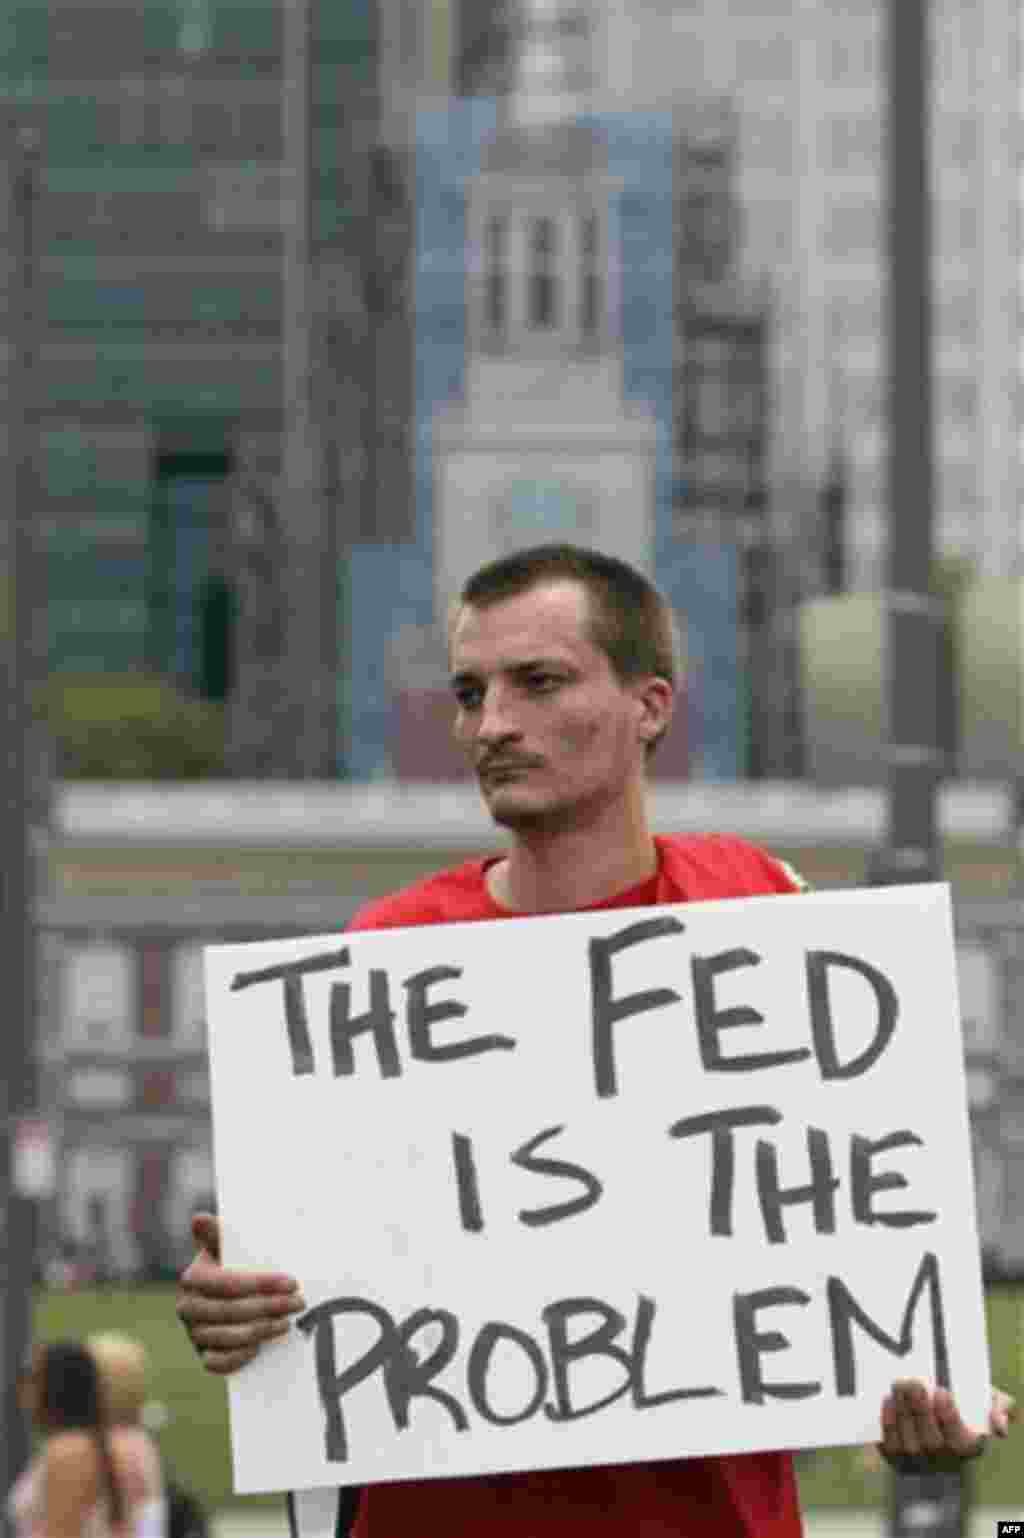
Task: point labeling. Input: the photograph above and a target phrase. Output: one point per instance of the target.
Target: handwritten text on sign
(597, 1188)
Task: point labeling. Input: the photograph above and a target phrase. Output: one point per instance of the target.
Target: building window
(98, 998)
(769, 57)
(856, 57)
(720, 422)
(854, 230)
(187, 999)
(495, 275)
(195, 27)
(541, 308)
(191, 604)
(590, 285)
(703, 211)
(856, 143)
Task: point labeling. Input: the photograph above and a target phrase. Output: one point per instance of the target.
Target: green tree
(131, 726)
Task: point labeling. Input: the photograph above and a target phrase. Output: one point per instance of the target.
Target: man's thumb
(206, 1233)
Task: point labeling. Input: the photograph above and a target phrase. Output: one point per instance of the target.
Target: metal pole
(915, 761)
(308, 685)
(19, 810)
(932, 1504)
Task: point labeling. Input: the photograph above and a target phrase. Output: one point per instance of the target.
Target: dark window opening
(720, 415)
(833, 523)
(541, 308)
(190, 620)
(496, 268)
(590, 288)
(216, 639)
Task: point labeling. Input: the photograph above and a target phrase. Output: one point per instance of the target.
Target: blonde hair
(123, 1368)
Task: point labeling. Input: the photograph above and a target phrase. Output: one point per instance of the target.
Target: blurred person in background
(564, 671)
(89, 1479)
(124, 1373)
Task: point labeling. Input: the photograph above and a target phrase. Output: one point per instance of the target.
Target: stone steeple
(553, 74)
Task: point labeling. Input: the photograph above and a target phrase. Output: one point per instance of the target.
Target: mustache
(498, 761)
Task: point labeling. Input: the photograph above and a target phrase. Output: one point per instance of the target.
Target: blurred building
(789, 204)
(161, 318)
(235, 380)
(569, 251)
(806, 82)
(257, 267)
(195, 152)
(166, 228)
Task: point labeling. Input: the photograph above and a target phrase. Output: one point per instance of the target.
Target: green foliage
(131, 726)
(951, 575)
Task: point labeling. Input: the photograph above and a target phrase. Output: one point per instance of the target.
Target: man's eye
(542, 683)
(468, 696)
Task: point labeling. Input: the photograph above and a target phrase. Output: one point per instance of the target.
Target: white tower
(553, 77)
(544, 445)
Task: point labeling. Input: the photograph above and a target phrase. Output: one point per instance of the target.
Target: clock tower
(543, 445)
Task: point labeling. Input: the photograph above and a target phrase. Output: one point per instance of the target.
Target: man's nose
(497, 721)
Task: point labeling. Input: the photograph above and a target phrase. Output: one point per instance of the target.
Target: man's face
(552, 733)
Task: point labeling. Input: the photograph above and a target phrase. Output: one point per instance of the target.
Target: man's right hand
(230, 1314)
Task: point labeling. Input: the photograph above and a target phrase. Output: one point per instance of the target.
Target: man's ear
(656, 698)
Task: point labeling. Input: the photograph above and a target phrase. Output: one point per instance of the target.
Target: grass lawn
(196, 1437)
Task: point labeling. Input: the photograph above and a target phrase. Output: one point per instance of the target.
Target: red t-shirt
(752, 1495)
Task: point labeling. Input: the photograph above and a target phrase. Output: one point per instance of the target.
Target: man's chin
(523, 814)
(509, 808)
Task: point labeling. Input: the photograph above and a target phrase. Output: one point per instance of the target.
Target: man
(564, 672)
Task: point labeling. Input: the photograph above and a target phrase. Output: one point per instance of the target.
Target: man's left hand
(922, 1427)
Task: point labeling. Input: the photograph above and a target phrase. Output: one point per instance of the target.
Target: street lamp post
(932, 1504)
(915, 761)
(309, 577)
(21, 809)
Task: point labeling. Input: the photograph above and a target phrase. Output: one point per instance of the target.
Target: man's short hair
(630, 620)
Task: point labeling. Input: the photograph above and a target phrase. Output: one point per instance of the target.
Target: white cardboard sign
(607, 1187)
